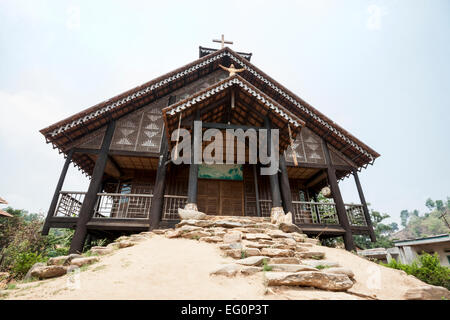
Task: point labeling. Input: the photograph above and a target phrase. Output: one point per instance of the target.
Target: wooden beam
(373, 238)
(87, 208)
(340, 207)
(317, 177)
(160, 186)
(273, 179)
(59, 185)
(285, 188)
(193, 168)
(255, 177)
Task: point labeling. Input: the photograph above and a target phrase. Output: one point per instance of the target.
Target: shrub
(426, 268)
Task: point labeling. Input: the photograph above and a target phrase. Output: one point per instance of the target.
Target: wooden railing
(171, 205)
(355, 214)
(69, 204)
(314, 212)
(123, 206)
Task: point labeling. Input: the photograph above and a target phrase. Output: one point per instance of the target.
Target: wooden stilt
(87, 208)
(373, 238)
(273, 179)
(340, 207)
(193, 171)
(178, 137)
(294, 154)
(51, 210)
(285, 188)
(255, 177)
(160, 185)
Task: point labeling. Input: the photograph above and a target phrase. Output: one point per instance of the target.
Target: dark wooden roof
(202, 51)
(251, 106)
(76, 126)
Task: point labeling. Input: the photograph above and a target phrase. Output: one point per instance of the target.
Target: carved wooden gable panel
(142, 130)
(92, 140)
(308, 148)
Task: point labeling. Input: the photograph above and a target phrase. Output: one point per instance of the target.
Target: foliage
(426, 268)
(431, 223)
(382, 232)
(266, 267)
(22, 245)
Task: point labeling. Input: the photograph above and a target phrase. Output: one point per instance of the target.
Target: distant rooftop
(425, 240)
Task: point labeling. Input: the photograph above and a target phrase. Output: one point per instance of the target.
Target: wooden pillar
(340, 207)
(193, 169)
(255, 177)
(285, 188)
(54, 203)
(87, 208)
(373, 238)
(273, 179)
(160, 185)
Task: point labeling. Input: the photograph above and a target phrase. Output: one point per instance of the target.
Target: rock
(197, 223)
(316, 279)
(312, 241)
(4, 275)
(146, 234)
(284, 260)
(340, 270)
(122, 238)
(79, 262)
(264, 226)
(291, 267)
(137, 238)
(227, 246)
(189, 228)
(301, 249)
(316, 263)
(45, 272)
(197, 234)
(257, 236)
(101, 250)
(235, 253)
(266, 242)
(288, 241)
(276, 215)
(289, 228)
(299, 237)
(427, 292)
(228, 270)
(233, 236)
(252, 261)
(251, 252)
(249, 270)
(317, 255)
(28, 276)
(252, 244)
(113, 245)
(271, 252)
(191, 214)
(213, 239)
(278, 234)
(287, 218)
(159, 231)
(126, 244)
(227, 224)
(173, 233)
(283, 246)
(57, 261)
(304, 245)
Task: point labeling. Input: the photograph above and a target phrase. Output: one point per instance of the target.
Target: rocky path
(219, 258)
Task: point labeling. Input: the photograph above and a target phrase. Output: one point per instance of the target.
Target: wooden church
(124, 145)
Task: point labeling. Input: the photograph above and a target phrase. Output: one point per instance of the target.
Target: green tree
(404, 215)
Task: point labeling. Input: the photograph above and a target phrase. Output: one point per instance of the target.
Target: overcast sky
(380, 69)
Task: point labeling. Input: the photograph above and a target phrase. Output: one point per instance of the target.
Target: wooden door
(208, 196)
(231, 198)
(220, 197)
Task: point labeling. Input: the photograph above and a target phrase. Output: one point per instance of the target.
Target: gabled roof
(217, 95)
(72, 128)
(5, 214)
(3, 201)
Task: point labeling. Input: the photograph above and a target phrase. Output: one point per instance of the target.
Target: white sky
(380, 69)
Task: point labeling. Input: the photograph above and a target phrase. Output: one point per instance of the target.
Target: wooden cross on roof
(222, 41)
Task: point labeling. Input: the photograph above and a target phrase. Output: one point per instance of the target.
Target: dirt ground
(161, 268)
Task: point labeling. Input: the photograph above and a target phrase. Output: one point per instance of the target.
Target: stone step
(290, 267)
(316, 279)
